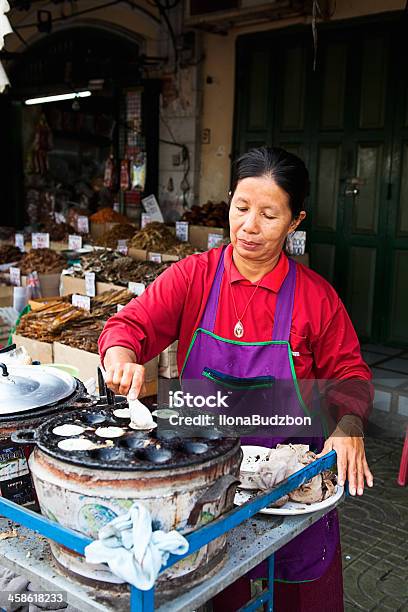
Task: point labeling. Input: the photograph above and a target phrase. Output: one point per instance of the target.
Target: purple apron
(309, 555)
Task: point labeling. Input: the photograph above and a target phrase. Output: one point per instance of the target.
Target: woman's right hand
(123, 375)
(126, 379)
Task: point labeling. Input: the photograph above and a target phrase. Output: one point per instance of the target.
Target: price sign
(90, 284)
(136, 288)
(182, 230)
(151, 206)
(15, 277)
(122, 247)
(40, 241)
(144, 220)
(19, 241)
(214, 240)
(83, 224)
(155, 257)
(81, 301)
(119, 307)
(74, 242)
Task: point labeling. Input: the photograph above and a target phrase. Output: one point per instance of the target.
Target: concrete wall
(120, 17)
(199, 97)
(218, 91)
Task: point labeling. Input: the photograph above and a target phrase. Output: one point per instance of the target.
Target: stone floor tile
(396, 365)
(382, 350)
(374, 534)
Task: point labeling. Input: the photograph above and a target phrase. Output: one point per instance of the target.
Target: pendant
(239, 329)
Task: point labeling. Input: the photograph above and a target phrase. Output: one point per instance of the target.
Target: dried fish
(42, 261)
(57, 231)
(157, 237)
(9, 253)
(111, 267)
(108, 215)
(285, 460)
(110, 239)
(63, 322)
(210, 214)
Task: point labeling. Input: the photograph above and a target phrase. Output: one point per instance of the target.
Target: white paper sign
(155, 257)
(214, 240)
(122, 247)
(15, 277)
(40, 241)
(144, 220)
(136, 288)
(182, 230)
(119, 307)
(90, 284)
(19, 241)
(151, 206)
(83, 224)
(74, 242)
(81, 301)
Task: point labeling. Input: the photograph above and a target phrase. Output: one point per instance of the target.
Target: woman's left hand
(348, 442)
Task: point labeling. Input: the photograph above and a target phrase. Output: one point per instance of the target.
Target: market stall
(90, 462)
(250, 541)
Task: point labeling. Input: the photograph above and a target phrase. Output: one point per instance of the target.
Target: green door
(341, 119)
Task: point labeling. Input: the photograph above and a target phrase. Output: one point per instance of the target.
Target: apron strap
(284, 305)
(210, 312)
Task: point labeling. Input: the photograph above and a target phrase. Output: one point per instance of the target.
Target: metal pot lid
(25, 388)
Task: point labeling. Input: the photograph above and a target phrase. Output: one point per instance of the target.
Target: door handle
(353, 186)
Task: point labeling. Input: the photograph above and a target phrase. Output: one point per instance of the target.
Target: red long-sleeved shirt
(322, 338)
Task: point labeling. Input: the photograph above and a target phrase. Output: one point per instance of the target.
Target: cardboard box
(165, 257)
(61, 245)
(5, 329)
(38, 351)
(87, 364)
(98, 229)
(168, 362)
(142, 255)
(71, 284)
(138, 254)
(6, 295)
(49, 283)
(198, 235)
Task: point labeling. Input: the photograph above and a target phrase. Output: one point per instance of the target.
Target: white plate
(291, 508)
(249, 464)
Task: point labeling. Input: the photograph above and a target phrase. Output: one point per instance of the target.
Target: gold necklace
(239, 327)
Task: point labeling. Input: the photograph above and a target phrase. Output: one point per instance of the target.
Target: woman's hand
(348, 442)
(123, 374)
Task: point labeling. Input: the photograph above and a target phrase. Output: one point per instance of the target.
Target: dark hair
(287, 170)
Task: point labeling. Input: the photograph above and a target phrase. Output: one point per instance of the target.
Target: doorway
(348, 120)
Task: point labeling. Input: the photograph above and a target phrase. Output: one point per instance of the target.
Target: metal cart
(251, 539)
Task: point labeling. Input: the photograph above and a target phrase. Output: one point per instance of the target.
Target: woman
(249, 293)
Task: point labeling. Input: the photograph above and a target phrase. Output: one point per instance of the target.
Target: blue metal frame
(143, 601)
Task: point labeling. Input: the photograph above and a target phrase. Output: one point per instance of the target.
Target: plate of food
(290, 508)
(263, 468)
(253, 456)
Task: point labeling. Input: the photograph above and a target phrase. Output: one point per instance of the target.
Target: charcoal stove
(28, 395)
(184, 482)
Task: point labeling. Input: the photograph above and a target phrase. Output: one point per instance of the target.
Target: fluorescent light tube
(58, 98)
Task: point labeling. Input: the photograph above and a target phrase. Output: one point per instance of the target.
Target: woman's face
(260, 218)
